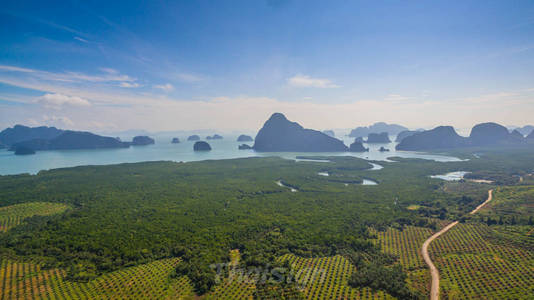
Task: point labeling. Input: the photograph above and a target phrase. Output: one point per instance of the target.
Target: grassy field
(13, 215)
(491, 255)
(19, 280)
(318, 278)
(510, 202)
(327, 278)
(475, 262)
(406, 245)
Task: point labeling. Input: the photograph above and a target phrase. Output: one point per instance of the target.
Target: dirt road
(490, 196)
(434, 290)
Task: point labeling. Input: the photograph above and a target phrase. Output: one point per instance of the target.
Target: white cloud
(58, 100)
(132, 108)
(129, 85)
(32, 122)
(307, 81)
(93, 78)
(80, 39)
(16, 69)
(57, 120)
(110, 75)
(109, 70)
(166, 87)
(155, 113)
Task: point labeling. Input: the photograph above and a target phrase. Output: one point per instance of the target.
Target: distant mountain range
(51, 138)
(71, 140)
(445, 137)
(378, 138)
(20, 133)
(525, 130)
(278, 134)
(357, 146)
(329, 132)
(391, 129)
(406, 133)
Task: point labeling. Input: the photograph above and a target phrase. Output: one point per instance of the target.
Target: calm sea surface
(164, 150)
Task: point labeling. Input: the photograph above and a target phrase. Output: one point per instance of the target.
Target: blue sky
(157, 65)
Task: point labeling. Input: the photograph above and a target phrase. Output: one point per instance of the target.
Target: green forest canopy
(127, 214)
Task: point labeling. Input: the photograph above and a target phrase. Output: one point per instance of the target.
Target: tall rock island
(442, 137)
(279, 134)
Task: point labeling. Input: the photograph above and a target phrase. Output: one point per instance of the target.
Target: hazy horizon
(130, 132)
(229, 66)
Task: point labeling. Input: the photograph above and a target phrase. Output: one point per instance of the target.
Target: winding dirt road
(434, 290)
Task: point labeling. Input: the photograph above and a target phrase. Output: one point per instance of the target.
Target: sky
(228, 65)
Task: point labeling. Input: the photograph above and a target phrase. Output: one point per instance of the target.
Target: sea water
(163, 149)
